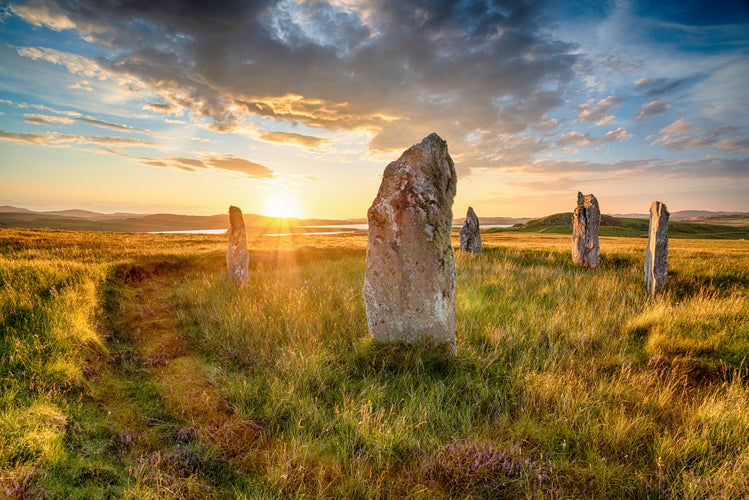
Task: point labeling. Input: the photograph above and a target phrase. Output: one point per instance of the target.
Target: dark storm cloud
(398, 69)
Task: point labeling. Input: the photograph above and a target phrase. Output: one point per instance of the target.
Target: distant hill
(492, 221)
(9, 209)
(691, 223)
(634, 227)
(700, 216)
(83, 220)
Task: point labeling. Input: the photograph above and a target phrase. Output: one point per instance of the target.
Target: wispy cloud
(652, 108)
(657, 86)
(681, 135)
(210, 161)
(114, 126)
(166, 109)
(308, 141)
(76, 64)
(46, 119)
(579, 139)
(598, 112)
(57, 139)
(73, 116)
(734, 145)
(84, 85)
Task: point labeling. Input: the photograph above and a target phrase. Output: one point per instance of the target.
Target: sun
(284, 205)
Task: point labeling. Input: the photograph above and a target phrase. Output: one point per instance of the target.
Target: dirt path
(152, 367)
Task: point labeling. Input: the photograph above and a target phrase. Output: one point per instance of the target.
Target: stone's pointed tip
(470, 212)
(580, 198)
(433, 137)
(232, 208)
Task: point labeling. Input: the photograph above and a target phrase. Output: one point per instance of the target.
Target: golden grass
(136, 370)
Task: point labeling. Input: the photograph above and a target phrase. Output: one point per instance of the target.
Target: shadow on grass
(685, 286)
(423, 358)
(525, 257)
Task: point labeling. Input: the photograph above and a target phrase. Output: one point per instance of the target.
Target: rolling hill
(685, 224)
(561, 223)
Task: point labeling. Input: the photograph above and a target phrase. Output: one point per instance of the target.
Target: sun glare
(283, 205)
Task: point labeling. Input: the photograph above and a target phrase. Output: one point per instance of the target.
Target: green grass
(627, 227)
(568, 382)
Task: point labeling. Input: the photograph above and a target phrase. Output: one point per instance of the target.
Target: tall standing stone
(585, 221)
(237, 257)
(409, 285)
(470, 236)
(656, 255)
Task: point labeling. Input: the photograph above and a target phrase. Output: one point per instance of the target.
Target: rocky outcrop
(470, 236)
(656, 255)
(409, 285)
(585, 222)
(237, 257)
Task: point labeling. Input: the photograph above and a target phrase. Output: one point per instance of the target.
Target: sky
(295, 107)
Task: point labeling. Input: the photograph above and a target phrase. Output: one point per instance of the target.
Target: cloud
(308, 141)
(379, 67)
(238, 164)
(704, 168)
(652, 108)
(84, 85)
(575, 139)
(598, 112)
(166, 109)
(619, 134)
(734, 145)
(40, 119)
(657, 86)
(222, 162)
(56, 139)
(114, 126)
(578, 139)
(46, 119)
(486, 77)
(681, 135)
(40, 14)
(679, 127)
(74, 63)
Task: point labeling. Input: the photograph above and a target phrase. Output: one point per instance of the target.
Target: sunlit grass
(568, 382)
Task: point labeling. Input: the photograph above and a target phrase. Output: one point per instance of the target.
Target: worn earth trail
(158, 392)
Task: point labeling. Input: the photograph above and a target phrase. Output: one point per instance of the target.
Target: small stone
(656, 255)
(237, 257)
(409, 285)
(585, 222)
(470, 236)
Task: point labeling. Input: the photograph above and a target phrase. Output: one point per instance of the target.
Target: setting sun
(283, 205)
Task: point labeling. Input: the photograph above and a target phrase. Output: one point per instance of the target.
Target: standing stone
(470, 236)
(656, 256)
(409, 285)
(237, 257)
(585, 221)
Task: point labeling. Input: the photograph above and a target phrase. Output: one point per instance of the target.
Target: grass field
(132, 369)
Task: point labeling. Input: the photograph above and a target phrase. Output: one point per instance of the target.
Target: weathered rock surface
(656, 255)
(585, 222)
(237, 257)
(409, 285)
(470, 236)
